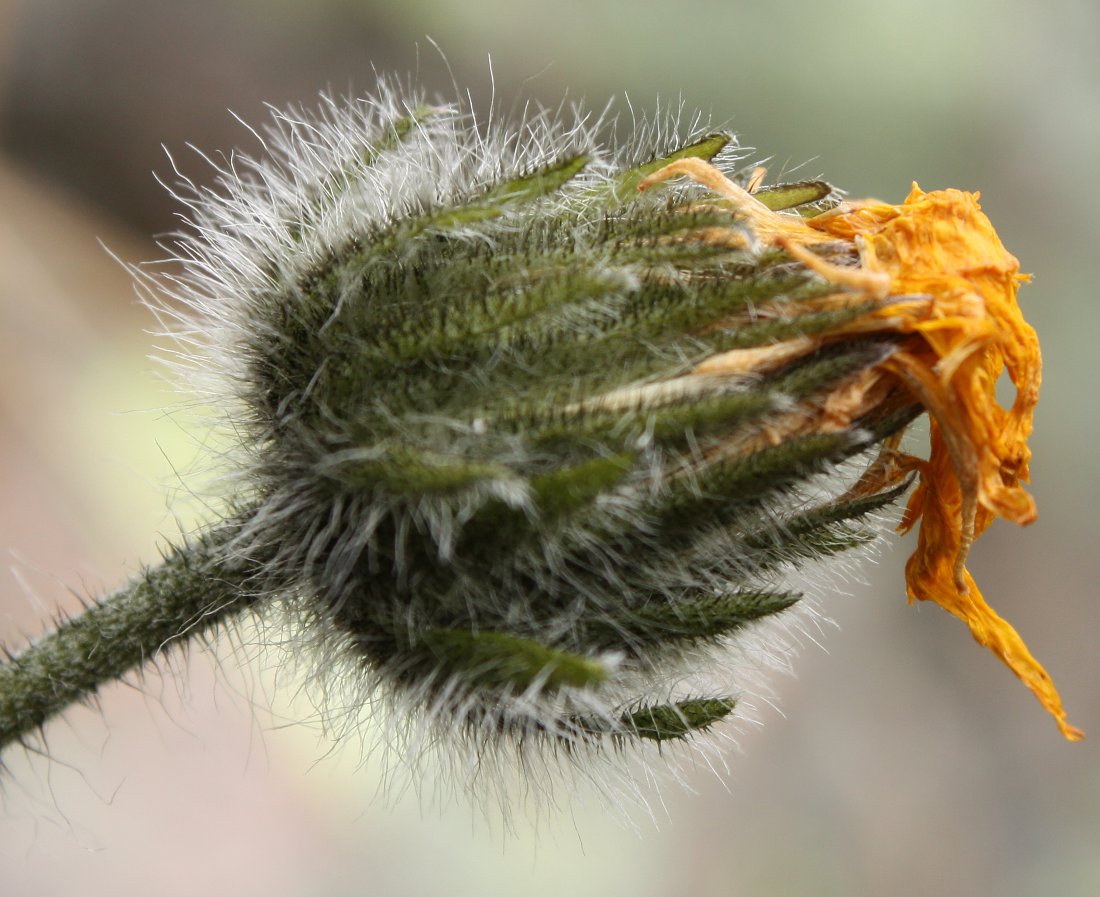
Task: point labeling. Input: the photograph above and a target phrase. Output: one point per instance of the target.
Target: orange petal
(941, 245)
(930, 577)
(953, 289)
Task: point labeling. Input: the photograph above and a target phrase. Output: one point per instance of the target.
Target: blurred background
(906, 761)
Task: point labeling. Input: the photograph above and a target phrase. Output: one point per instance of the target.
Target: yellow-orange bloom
(949, 290)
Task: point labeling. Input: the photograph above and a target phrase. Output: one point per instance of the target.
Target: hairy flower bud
(481, 452)
(529, 436)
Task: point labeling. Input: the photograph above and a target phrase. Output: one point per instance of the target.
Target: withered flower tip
(940, 279)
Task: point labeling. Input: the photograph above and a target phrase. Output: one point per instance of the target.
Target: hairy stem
(191, 593)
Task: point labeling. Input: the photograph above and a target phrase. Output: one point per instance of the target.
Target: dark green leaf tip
(788, 196)
(625, 187)
(497, 659)
(408, 471)
(671, 722)
(711, 616)
(524, 188)
(574, 487)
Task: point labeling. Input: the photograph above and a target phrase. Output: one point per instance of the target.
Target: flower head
(530, 446)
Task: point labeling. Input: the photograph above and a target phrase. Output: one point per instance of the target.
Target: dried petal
(942, 245)
(950, 287)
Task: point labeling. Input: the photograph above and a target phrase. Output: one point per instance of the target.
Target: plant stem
(191, 593)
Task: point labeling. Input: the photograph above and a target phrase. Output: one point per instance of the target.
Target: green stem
(191, 593)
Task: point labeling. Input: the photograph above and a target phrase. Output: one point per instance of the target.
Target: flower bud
(488, 461)
(531, 430)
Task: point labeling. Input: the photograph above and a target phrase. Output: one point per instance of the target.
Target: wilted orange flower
(948, 286)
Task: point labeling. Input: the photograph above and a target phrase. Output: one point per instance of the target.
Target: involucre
(527, 452)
